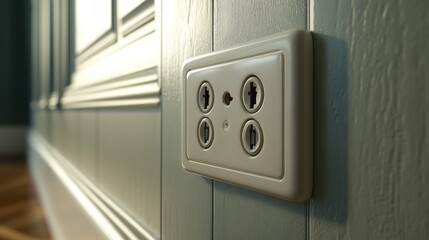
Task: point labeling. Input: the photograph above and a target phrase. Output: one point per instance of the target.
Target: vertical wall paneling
(39, 122)
(129, 163)
(54, 80)
(371, 120)
(41, 66)
(35, 25)
(64, 134)
(186, 198)
(70, 42)
(241, 213)
(88, 144)
(44, 52)
(64, 53)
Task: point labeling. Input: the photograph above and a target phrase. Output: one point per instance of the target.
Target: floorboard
(21, 214)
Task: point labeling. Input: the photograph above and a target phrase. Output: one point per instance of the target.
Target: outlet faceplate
(260, 115)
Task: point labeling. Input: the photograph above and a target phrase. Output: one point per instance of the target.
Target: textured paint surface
(186, 198)
(371, 116)
(241, 213)
(237, 22)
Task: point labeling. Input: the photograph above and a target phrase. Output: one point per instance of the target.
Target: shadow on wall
(330, 194)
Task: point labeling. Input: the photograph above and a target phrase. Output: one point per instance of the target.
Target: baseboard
(87, 206)
(13, 140)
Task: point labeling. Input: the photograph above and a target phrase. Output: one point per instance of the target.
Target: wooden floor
(21, 215)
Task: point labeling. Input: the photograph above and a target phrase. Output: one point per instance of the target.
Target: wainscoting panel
(129, 163)
(88, 144)
(65, 134)
(40, 121)
(63, 202)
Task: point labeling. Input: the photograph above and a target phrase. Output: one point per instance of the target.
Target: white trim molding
(124, 75)
(114, 222)
(103, 42)
(140, 89)
(138, 17)
(54, 100)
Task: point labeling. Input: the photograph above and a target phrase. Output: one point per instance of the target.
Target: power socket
(247, 115)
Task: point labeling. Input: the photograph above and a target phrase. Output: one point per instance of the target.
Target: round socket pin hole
(252, 94)
(205, 97)
(205, 133)
(227, 98)
(252, 137)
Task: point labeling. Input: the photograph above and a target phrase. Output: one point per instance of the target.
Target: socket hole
(205, 132)
(205, 97)
(252, 94)
(252, 137)
(227, 98)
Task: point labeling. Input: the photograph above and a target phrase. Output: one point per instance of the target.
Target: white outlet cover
(284, 165)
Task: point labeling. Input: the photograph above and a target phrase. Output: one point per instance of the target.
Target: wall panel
(241, 213)
(88, 144)
(66, 215)
(40, 122)
(237, 22)
(65, 135)
(186, 198)
(129, 162)
(371, 115)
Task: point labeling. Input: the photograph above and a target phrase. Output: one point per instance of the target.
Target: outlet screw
(205, 97)
(205, 133)
(252, 94)
(252, 137)
(226, 125)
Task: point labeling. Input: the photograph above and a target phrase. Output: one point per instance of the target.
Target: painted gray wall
(240, 213)
(371, 113)
(371, 117)
(187, 200)
(370, 121)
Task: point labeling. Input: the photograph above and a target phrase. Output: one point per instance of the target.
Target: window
(117, 49)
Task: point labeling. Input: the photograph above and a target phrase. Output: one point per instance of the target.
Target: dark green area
(15, 68)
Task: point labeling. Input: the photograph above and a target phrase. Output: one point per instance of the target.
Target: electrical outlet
(247, 115)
